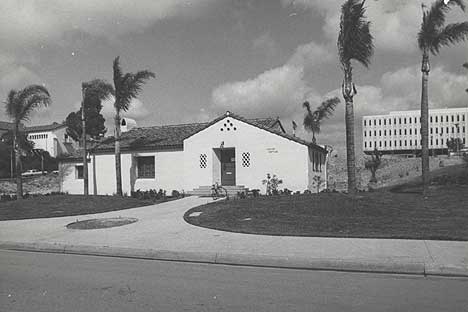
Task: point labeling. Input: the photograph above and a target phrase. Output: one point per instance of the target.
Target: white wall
(180, 170)
(168, 173)
(50, 141)
(269, 153)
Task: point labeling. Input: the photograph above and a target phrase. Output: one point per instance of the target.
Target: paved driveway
(161, 227)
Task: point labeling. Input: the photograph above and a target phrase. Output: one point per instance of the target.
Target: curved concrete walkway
(161, 233)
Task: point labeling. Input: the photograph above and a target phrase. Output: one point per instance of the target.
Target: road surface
(55, 282)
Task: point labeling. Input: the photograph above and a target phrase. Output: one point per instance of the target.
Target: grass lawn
(65, 205)
(443, 215)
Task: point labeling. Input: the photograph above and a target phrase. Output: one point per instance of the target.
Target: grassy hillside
(41, 184)
(393, 170)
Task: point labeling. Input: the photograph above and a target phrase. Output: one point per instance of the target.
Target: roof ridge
(198, 123)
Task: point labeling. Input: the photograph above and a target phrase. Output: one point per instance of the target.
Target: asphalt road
(56, 282)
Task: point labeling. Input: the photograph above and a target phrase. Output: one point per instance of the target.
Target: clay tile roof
(41, 128)
(173, 136)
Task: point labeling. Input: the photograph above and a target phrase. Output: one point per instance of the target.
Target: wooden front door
(228, 166)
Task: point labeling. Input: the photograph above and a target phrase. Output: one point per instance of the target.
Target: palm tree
(354, 43)
(19, 106)
(93, 92)
(313, 120)
(126, 87)
(432, 36)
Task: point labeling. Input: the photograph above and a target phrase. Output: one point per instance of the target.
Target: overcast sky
(255, 58)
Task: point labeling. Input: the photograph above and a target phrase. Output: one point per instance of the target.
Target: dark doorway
(228, 166)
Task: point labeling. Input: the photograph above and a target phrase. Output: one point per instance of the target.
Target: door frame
(221, 151)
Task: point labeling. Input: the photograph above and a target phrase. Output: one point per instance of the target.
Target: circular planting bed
(102, 223)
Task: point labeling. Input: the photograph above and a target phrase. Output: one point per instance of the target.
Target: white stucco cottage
(230, 150)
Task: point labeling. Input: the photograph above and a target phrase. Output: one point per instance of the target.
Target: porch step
(205, 190)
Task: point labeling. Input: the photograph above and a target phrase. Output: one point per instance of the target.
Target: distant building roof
(4, 125)
(43, 128)
(173, 136)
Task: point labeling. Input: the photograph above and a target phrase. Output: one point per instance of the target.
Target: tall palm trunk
(348, 93)
(118, 166)
(19, 181)
(425, 69)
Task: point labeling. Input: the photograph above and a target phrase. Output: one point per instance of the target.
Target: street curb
(294, 262)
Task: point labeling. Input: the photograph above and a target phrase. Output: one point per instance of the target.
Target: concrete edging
(294, 262)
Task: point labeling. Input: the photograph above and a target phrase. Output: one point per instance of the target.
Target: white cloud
(394, 23)
(311, 54)
(14, 75)
(277, 91)
(30, 21)
(272, 91)
(137, 109)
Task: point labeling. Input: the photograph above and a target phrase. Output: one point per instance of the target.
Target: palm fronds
(98, 89)
(326, 109)
(127, 86)
(313, 119)
(131, 85)
(11, 108)
(354, 39)
(433, 35)
(20, 104)
(453, 33)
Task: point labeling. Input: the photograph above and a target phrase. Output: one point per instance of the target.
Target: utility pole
(83, 140)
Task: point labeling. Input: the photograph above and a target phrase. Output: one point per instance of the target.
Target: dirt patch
(102, 223)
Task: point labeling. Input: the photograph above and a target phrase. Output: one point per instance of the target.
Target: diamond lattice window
(246, 159)
(203, 160)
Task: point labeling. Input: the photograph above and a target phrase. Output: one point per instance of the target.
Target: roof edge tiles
(171, 137)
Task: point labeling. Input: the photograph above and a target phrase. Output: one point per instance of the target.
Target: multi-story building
(51, 138)
(400, 132)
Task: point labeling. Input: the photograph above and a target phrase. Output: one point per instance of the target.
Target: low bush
(152, 195)
(7, 197)
(177, 194)
(255, 192)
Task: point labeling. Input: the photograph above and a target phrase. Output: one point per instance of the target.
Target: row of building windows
(389, 121)
(38, 136)
(447, 130)
(436, 118)
(402, 143)
(410, 120)
(411, 132)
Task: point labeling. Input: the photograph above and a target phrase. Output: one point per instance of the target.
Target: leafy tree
(7, 151)
(126, 87)
(354, 43)
(455, 144)
(373, 164)
(313, 119)
(432, 36)
(96, 91)
(19, 106)
(318, 181)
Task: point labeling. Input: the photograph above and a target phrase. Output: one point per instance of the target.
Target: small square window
(146, 167)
